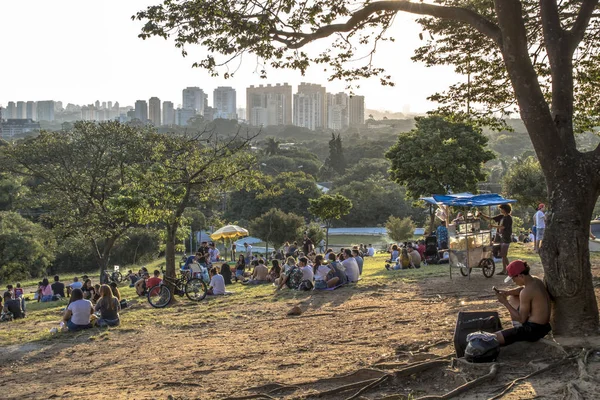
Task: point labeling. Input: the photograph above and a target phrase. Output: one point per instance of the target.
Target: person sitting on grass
(12, 308)
(133, 278)
(226, 273)
(292, 277)
(58, 288)
(528, 305)
(96, 295)
(19, 294)
(154, 280)
(240, 268)
(88, 290)
(404, 261)
(275, 271)
(395, 253)
(108, 306)
(338, 269)
(415, 256)
(217, 283)
(78, 313)
(350, 266)
(141, 285)
(359, 260)
(76, 284)
(117, 294)
(45, 291)
(260, 273)
(324, 276)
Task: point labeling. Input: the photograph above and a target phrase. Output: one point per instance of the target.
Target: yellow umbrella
(229, 232)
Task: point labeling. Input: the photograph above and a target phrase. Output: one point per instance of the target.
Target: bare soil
(255, 348)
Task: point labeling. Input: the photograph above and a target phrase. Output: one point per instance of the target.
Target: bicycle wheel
(464, 271)
(117, 277)
(195, 289)
(159, 296)
(488, 267)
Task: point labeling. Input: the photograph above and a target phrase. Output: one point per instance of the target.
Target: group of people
(102, 310)
(406, 256)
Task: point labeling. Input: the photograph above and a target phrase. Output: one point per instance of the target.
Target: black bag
(473, 321)
(306, 285)
(482, 347)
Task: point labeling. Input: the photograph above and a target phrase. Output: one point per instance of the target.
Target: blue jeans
(108, 322)
(46, 298)
(74, 327)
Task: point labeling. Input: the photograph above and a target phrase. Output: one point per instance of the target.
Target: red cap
(514, 268)
(541, 205)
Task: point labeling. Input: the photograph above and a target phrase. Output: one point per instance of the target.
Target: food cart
(469, 246)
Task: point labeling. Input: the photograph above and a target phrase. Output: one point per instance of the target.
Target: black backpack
(482, 347)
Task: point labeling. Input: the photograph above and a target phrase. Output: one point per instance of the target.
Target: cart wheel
(487, 267)
(464, 271)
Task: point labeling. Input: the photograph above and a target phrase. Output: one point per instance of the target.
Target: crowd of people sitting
(406, 256)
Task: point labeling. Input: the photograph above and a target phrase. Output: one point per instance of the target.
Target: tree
(277, 227)
(272, 146)
(336, 162)
(399, 229)
(89, 178)
(535, 57)
(26, 249)
(314, 232)
(439, 156)
(525, 182)
(329, 208)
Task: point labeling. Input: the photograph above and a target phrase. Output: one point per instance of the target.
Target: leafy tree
(374, 200)
(439, 156)
(539, 58)
(399, 229)
(89, 180)
(313, 231)
(272, 146)
(336, 162)
(329, 208)
(26, 248)
(289, 192)
(12, 191)
(195, 219)
(277, 227)
(360, 172)
(525, 182)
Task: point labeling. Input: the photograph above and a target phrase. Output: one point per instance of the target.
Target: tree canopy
(439, 156)
(525, 182)
(329, 208)
(277, 227)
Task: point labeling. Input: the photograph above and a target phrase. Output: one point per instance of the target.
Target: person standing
(539, 218)
(442, 236)
(307, 244)
(504, 225)
(248, 253)
(322, 246)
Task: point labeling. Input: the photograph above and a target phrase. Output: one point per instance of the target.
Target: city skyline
(121, 66)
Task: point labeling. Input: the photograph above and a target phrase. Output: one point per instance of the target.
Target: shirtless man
(529, 306)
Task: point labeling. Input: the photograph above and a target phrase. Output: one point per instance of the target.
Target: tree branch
(460, 14)
(581, 22)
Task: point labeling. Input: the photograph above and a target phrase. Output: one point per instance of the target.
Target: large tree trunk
(170, 249)
(103, 256)
(565, 249)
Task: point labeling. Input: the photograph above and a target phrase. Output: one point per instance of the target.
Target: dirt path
(255, 344)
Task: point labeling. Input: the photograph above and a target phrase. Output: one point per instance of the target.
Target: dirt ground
(254, 350)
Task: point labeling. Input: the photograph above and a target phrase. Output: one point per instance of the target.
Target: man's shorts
(528, 332)
(540, 234)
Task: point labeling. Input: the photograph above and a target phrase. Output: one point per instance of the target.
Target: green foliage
(289, 192)
(400, 229)
(329, 208)
(12, 191)
(526, 183)
(374, 200)
(375, 168)
(336, 162)
(439, 156)
(26, 249)
(314, 232)
(277, 227)
(195, 219)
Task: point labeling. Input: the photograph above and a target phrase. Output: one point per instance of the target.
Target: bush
(400, 229)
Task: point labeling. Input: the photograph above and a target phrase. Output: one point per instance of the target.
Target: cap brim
(507, 279)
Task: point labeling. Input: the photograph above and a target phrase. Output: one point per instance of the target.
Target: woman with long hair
(45, 291)
(324, 275)
(240, 268)
(275, 271)
(108, 306)
(78, 313)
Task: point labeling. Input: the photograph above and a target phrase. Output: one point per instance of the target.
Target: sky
(80, 51)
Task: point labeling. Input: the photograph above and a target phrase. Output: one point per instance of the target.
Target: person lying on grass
(108, 306)
(217, 283)
(78, 313)
(528, 305)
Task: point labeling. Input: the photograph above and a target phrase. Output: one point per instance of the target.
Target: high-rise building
(224, 102)
(141, 110)
(194, 98)
(11, 111)
(310, 106)
(21, 109)
(168, 111)
(31, 111)
(58, 106)
(45, 110)
(88, 113)
(356, 110)
(104, 105)
(269, 105)
(337, 111)
(183, 115)
(97, 104)
(154, 111)
(209, 113)
(109, 105)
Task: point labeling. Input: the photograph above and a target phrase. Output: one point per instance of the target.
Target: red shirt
(154, 281)
(421, 250)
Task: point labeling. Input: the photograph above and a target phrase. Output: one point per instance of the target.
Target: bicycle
(160, 296)
(114, 276)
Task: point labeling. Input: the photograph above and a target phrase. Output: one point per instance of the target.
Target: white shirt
(214, 254)
(370, 251)
(76, 285)
(307, 273)
(322, 272)
(540, 219)
(81, 310)
(249, 251)
(351, 269)
(531, 237)
(217, 283)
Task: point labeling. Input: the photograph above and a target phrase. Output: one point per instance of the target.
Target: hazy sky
(80, 51)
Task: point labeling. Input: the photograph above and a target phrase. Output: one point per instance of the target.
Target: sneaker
(387, 266)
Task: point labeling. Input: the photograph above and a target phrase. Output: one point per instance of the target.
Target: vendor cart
(468, 245)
